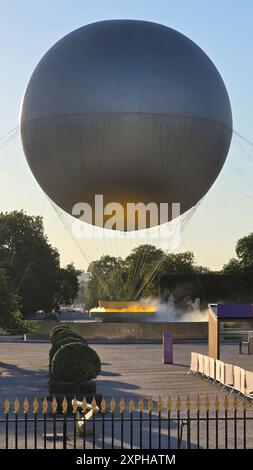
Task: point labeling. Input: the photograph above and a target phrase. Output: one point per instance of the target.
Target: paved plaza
(128, 370)
(132, 371)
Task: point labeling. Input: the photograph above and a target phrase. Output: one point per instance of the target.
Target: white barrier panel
(201, 363)
(207, 366)
(212, 367)
(243, 378)
(217, 370)
(222, 373)
(194, 367)
(249, 383)
(237, 378)
(229, 376)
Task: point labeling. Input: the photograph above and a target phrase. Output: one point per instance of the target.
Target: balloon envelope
(131, 110)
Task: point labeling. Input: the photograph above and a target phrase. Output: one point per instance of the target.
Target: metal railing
(147, 424)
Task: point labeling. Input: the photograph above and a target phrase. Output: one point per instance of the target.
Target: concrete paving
(132, 371)
(128, 370)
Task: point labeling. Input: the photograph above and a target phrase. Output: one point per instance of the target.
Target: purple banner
(167, 348)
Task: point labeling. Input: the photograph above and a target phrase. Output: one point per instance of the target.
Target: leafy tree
(68, 284)
(33, 265)
(232, 267)
(244, 251)
(105, 280)
(113, 278)
(11, 319)
(145, 264)
(202, 270)
(179, 263)
(136, 276)
(139, 274)
(243, 264)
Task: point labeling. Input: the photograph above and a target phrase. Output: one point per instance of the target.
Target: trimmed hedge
(59, 335)
(57, 329)
(75, 363)
(61, 342)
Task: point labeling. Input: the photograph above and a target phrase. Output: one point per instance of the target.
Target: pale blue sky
(223, 29)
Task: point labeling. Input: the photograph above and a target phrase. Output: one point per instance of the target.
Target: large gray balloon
(129, 109)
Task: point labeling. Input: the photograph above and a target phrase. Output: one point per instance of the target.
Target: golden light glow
(124, 307)
(138, 309)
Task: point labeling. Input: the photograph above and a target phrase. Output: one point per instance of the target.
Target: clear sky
(222, 28)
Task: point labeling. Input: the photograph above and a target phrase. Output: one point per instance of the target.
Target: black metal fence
(127, 425)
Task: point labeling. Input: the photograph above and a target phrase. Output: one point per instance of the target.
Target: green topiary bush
(61, 342)
(75, 363)
(57, 329)
(59, 335)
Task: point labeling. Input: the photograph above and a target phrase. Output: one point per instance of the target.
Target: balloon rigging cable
(146, 268)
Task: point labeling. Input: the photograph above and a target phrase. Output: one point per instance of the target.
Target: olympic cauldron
(138, 320)
(124, 311)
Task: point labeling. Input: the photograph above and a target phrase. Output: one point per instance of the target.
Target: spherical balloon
(131, 110)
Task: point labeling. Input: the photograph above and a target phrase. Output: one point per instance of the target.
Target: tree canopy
(11, 319)
(138, 275)
(244, 261)
(33, 265)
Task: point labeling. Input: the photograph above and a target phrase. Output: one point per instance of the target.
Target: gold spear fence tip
(64, 405)
(131, 406)
(198, 403)
(74, 405)
(244, 404)
(112, 405)
(141, 405)
(159, 405)
(54, 405)
(235, 403)
(26, 405)
(169, 404)
(7, 406)
(188, 403)
(207, 403)
(103, 406)
(35, 406)
(93, 404)
(226, 403)
(178, 403)
(216, 403)
(84, 405)
(150, 405)
(44, 405)
(16, 406)
(122, 405)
